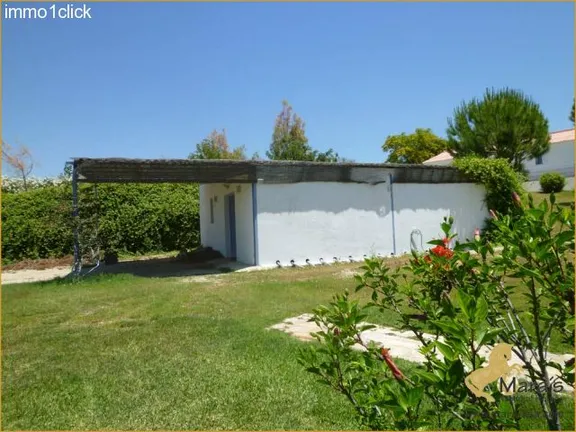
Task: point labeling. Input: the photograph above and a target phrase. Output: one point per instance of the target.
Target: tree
(504, 124)
(571, 118)
(19, 160)
(289, 140)
(414, 148)
(216, 146)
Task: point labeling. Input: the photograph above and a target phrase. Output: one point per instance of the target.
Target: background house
(560, 158)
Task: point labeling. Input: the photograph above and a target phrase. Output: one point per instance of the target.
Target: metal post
(77, 267)
(392, 211)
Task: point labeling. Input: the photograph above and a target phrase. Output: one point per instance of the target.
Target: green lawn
(122, 352)
(563, 197)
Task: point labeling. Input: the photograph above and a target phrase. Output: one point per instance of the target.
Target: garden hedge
(133, 219)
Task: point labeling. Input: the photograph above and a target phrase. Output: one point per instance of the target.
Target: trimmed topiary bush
(552, 182)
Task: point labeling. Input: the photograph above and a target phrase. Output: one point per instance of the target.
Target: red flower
(442, 251)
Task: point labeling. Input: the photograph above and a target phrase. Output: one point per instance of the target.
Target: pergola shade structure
(117, 170)
(233, 171)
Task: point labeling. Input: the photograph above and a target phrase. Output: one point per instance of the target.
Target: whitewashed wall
(322, 220)
(214, 234)
(313, 220)
(422, 207)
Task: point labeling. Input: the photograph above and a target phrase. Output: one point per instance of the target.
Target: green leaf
(427, 376)
(481, 310)
(446, 350)
(450, 328)
(465, 301)
(489, 336)
(414, 395)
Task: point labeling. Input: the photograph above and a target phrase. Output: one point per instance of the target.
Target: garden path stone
(402, 344)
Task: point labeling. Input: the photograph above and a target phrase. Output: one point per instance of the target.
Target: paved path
(402, 345)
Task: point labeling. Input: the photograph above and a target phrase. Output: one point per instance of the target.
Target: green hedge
(500, 181)
(131, 218)
(497, 176)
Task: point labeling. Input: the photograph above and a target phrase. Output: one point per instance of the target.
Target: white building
(264, 212)
(560, 158)
(311, 213)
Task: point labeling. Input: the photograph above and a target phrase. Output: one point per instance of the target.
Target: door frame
(230, 225)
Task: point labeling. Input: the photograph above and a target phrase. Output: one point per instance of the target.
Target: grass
(122, 352)
(562, 198)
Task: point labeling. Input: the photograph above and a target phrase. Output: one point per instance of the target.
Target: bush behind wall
(134, 218)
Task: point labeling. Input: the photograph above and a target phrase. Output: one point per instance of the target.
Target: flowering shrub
(16, 185)
(457, 301)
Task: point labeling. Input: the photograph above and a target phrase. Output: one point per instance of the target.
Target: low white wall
(214, 234)
(322, 220)
(423, 206)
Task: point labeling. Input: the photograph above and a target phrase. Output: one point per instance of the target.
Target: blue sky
(151, 80)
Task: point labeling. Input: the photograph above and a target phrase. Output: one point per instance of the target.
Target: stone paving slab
(402, 344)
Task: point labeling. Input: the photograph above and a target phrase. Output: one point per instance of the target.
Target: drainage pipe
(255, 223)
(391, 182)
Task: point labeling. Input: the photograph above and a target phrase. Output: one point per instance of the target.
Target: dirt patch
(215, 279)
(348, 274)
(40, 264)
(27, 276)
(68, 261)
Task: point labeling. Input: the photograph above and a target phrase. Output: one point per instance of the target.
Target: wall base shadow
(166, 268)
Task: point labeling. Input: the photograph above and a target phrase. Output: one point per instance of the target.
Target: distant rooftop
(250, 171)
(562, 136)
(555, 138)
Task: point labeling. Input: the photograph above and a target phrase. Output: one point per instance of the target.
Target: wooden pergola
(118, 170)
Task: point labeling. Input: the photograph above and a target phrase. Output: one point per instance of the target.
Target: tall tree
(289, 141)
(504, 124)
(216, 146)
(414, 148)
(19, 160)
(571, 118)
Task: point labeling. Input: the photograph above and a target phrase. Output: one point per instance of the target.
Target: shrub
(15, 184)
(497, 176)
(36, 224)
(552, 182)
(457, 304)
(128, 218)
